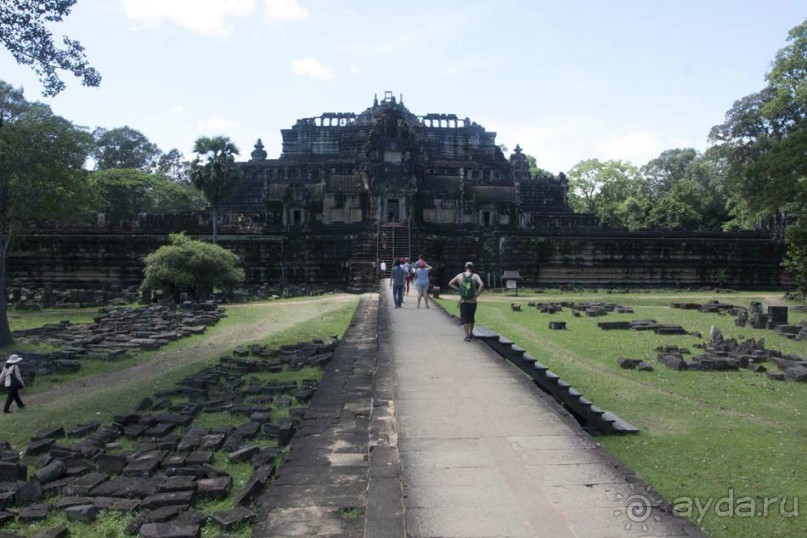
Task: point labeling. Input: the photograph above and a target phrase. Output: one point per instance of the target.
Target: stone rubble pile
(171, 465)
(754, 316)
(113, 335)
(720, 354)
(33, 299)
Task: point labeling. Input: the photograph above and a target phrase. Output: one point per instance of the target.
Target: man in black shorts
(470, 287)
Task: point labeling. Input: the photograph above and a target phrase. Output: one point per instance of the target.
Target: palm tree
(214, 172)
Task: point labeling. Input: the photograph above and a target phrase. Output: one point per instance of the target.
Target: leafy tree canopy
(174, 165)
(763, 139)
(41, 176)
(600, 187)
(24, 34)
(124, 147)
(122, 194)
(187, 265)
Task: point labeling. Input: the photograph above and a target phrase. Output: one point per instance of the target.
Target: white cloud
(355, 70)
(284, 11)
(349, 12)
(204, 17)
(218, 124)
(310, 67)
(179, 110)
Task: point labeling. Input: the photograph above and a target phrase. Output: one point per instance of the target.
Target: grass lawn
(302, 320)
(704, 435)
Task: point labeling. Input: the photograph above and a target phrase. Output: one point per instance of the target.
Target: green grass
(313, 321)
(239, 314)
(703, 434)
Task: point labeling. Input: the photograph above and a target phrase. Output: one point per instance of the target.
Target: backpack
(467, 288)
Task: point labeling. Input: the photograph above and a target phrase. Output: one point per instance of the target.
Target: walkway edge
(385, 506)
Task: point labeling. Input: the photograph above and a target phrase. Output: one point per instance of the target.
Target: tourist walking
(422, 271)
(470, 287)
(12, 380)
(397, 283)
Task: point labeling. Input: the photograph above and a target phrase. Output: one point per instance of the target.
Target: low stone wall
(346, 257)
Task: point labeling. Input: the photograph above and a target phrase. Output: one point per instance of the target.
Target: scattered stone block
(111, 463)
(673, 362)
(85, 513)
(227, 519)
(797, 373)
(173, 498)
(83, 430)
(644, 366)
(169, 530)
(776, 376)
(11, 472)
(249, 493)
(50, 472)
(49, 433)
(557, 325)
(34, 513)
(55, 532)
(243, 454)
(628, 364)
(28, 493)
(37, 448)
(214, 488)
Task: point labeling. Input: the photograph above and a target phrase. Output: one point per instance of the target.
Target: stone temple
(351, 190)
(388, 165)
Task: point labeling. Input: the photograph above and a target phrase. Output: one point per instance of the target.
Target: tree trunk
(5, 329)
(215, 225)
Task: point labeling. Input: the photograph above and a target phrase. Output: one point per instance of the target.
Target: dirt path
(220, 342)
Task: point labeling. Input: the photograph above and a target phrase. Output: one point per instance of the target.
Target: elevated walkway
(415, 433)
(485, 453)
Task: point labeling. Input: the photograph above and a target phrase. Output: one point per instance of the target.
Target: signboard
(511, 284)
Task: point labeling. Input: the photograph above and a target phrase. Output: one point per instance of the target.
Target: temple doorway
(393, 210)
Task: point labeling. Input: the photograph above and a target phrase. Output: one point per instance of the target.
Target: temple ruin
(350, 190)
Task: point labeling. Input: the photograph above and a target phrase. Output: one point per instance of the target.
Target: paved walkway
(485, 454)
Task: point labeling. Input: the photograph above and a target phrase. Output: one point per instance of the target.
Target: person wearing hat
(12, 380)
(422, 270)
(470, 287)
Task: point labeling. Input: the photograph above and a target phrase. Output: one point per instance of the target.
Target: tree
(603, 188)
(536, 171)
(123, 147)
(680, 209)
(686, 167)
(763, 139)
(214, 172)
(796, 257)
(187, 265)
(41, 176)
(672, 166)
(122, 194)
(24, 34)
(174, 165)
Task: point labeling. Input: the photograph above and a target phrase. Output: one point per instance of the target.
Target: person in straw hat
(12, 380)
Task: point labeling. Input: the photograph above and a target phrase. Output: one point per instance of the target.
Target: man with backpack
(470, 287)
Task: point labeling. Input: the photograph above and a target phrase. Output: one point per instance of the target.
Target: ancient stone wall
(345, 255)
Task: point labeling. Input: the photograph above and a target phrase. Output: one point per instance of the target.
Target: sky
(567, 80)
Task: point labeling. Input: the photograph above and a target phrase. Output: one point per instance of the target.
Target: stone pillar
(145, 296)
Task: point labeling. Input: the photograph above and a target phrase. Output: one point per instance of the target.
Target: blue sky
(567, 80)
